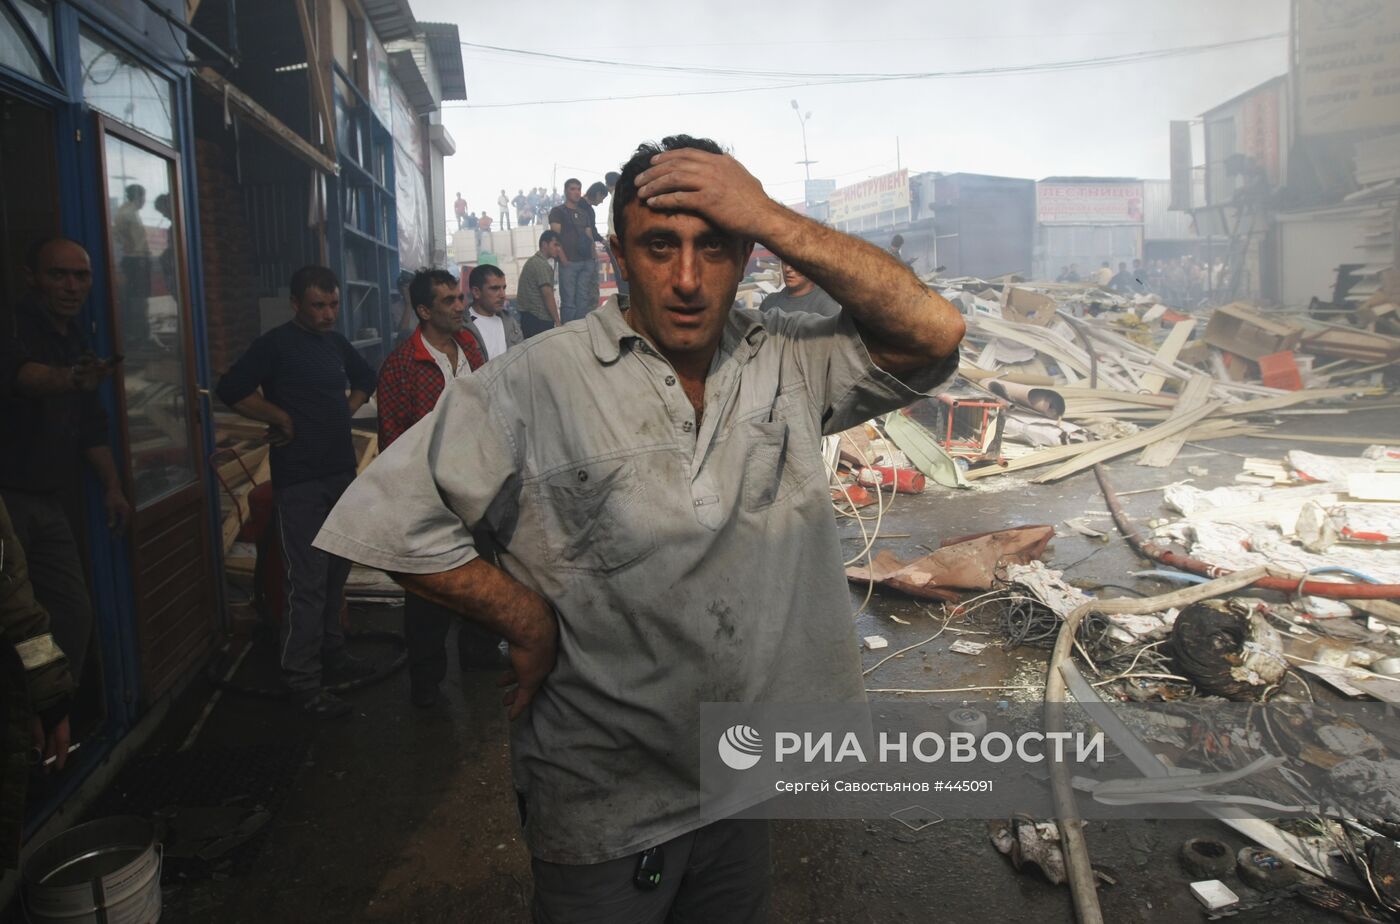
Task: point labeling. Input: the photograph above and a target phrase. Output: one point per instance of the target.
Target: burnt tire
(1265, 870)
(1206, 858)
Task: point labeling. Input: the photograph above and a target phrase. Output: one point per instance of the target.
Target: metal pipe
(192, 32)
(1289, 584)
(1078, 869)
(233, 30)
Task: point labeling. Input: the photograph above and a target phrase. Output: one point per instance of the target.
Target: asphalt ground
(404, 814)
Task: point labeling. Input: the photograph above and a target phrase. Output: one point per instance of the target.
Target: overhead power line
(809, 79)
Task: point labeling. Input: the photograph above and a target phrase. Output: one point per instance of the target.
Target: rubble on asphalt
(1059, 378)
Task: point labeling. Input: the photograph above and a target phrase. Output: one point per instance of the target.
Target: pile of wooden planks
(242, 462)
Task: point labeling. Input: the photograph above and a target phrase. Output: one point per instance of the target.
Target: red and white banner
(1088, 203)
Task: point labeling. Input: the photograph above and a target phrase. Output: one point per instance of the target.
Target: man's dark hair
(548, 237)
(897, 241)
(610, 178)
(31, 256)
(595, 189)
(319, 277)
(134, 190)
(573, 181)
(481, 273)
(420, 290)
(626, 190)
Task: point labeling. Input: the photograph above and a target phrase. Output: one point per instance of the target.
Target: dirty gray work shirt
(686, 563)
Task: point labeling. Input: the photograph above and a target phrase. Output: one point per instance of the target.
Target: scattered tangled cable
(1112, 659)
(868, 536)
(1024, 620)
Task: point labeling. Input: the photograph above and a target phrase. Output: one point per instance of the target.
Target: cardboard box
(1026, 307)
(1239, 329)
(1194, 353)
(1214, 894)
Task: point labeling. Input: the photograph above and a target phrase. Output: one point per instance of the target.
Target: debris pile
(1067, 376)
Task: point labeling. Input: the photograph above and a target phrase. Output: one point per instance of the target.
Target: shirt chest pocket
(776, 461)
(596, 517)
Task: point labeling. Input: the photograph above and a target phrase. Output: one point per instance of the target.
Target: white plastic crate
(464, 246)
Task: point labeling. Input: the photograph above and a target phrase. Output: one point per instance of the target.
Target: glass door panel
(144, 242)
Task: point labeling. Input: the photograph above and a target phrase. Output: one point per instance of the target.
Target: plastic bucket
(105, 871)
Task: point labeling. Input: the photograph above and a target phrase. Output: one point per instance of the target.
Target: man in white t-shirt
(496, 329)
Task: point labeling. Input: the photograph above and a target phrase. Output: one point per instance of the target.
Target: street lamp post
(806, 161)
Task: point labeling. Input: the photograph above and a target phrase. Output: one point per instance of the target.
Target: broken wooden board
(1108, 449)
(1171, 347)
(1206, 430)
(1384, 610)
(1201, 431)
(242, 465)
(234, 519)
(1194, 395)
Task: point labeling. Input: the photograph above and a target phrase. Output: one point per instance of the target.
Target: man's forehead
(642, 219)
(63, 255)
(318, 294)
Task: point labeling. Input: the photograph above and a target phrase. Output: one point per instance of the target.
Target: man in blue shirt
(294, 378)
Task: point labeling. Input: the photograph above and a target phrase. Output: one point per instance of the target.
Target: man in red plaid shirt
(410, 382)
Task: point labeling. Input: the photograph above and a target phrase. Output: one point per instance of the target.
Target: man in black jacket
(50, 423)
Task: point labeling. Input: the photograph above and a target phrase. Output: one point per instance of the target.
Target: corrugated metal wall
(1159, 222)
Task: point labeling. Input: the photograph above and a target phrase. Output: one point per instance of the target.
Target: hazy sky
(1105, 121)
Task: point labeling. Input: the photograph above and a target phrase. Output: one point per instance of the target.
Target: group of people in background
(568, 252)
(1181, 281)
(520, 210)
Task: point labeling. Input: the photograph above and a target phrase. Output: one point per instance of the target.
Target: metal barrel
(106, 872)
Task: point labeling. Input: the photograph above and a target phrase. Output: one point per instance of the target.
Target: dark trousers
(55, 570)
(531, 325)
(425, 627)
(717, 873)
(315, 580)
(578, 289)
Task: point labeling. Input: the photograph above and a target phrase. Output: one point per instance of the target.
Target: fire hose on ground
(1078, 868)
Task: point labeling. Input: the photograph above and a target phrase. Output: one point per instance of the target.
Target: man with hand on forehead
(653, 478)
